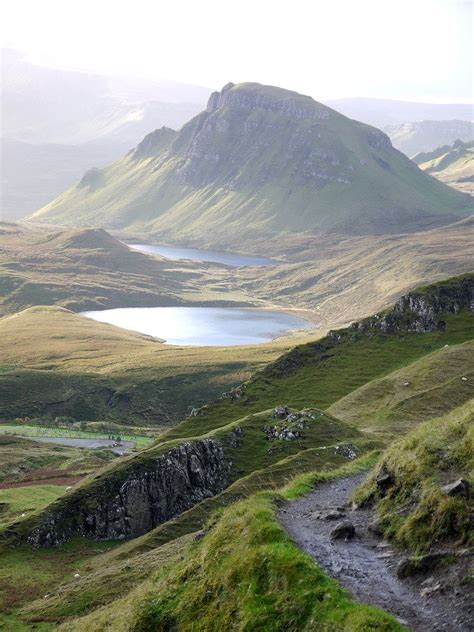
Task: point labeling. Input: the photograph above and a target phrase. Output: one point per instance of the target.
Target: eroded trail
(365, 564)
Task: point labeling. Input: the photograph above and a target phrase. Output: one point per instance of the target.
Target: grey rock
(343, 531)
(140, 497)
(460, 487)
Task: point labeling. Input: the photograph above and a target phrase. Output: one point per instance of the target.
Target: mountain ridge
(261, 161)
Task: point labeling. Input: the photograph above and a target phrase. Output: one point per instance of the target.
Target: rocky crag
(138, 498)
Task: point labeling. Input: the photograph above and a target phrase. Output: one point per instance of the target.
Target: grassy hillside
(240, 564)
(426, 388)
(321, 373)
(74, 366)
(452, 164)
(258, 163)
(349, 279)
(89, 269)
(244, 574)
(415, 511)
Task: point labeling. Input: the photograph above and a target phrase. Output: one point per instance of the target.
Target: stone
(384, 480)
(429, 590)
(343, 531)
(144, 494)
(281, 412)
(375, 527)
(333, 515)
(460, 487)
(409, 566)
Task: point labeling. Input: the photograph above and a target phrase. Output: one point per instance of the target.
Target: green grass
(18, 501)
(245, 574)
(321, 373)
(69, 365)
(415, 512)
(426, 388)
(22, 459)
(26, 430)
(27, 574)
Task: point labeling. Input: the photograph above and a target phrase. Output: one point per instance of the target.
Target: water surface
(194, 254)
(227, 326)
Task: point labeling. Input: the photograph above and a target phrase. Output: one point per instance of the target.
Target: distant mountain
(260, 162)
(453, 165)
(57, 123)
(422, 136)
(49, 105)
(384, 112)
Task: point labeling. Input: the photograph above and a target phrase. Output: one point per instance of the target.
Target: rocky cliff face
(134, 501)
(421, 311)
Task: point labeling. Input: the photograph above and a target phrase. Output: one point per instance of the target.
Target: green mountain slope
(426, 388)
(453, 165)
(260, 162)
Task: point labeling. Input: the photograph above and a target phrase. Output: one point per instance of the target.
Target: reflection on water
(194, 254)
(227, 326)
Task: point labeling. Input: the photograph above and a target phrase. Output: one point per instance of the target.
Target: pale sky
(404, 49)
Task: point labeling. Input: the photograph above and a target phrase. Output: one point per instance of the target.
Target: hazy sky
(407, 49)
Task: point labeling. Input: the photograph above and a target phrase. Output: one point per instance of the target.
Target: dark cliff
(137, 498)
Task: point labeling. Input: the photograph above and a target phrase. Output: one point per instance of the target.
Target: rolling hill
(261, 163)
(453, 165)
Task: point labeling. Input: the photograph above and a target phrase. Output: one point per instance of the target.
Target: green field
(140, 441)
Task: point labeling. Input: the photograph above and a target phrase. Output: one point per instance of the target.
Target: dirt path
(365, 565)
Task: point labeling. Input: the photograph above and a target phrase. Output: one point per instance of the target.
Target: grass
(21, 459)
(245, 574)
(247, 452)
(26, 430)
(27, 574)
(321, 373)
(415, 512)
(70, 365)
(21, 500)
(426, 388)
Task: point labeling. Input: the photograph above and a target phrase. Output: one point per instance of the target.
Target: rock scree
(138, 500)
(430, 600)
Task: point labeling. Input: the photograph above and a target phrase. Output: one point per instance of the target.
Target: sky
(419, 50)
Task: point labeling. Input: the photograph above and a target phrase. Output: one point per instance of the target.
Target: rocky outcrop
(92, 179)
(421, 311)
(154, 143)
(130, 502)
(251, 97)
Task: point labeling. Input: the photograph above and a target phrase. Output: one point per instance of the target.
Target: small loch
(194, 254)
(203, 326)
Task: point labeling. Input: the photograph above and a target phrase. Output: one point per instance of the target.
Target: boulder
(383, 481)
(343, 531)
(460, 487)
(375, 527)
(409, 566)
